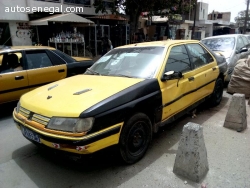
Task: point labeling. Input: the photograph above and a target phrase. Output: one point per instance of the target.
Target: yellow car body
(37, 65)
(121, 108)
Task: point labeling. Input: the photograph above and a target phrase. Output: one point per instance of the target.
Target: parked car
(248, 37)
(232, 46)
(23, 68)
(123, 98)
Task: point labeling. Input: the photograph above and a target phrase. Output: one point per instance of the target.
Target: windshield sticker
(131, 54)
(105, 58)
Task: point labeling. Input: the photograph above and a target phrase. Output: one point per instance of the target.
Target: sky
(233, 6)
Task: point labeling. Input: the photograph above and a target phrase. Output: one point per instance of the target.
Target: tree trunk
(134, 24)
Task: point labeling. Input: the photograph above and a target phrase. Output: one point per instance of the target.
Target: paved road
(23, 165)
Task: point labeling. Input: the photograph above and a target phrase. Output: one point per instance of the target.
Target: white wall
(19, 36)
(6, 13)
(201, 11)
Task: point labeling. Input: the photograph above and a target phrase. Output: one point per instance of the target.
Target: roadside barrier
(191, 158)
(236, 117)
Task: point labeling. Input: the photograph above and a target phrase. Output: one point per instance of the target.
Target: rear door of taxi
(205, 70)
(12, 83)
(43, 68)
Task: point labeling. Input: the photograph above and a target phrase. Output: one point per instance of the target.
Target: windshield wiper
(218, 50)
(92, 71)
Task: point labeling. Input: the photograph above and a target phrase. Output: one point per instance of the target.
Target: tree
(134, 8)
(240, 21)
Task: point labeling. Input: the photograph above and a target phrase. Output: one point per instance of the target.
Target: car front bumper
(81, 144)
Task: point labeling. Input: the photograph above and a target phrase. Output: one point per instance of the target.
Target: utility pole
(193, 30)
(246, 18)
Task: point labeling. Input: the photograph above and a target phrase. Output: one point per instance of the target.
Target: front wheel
(217, 93)
(135, 138)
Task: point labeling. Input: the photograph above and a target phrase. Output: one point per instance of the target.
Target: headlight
(75, 125)
(18, 106)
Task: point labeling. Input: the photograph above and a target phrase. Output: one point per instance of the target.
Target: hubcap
(137, 138)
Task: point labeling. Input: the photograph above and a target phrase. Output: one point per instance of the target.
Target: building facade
(16, 14)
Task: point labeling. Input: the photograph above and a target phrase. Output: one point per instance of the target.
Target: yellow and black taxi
(123, 98)
(23, 68)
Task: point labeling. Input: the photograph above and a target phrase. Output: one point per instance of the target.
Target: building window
(219, 16)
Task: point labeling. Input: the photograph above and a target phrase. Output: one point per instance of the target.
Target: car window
(240, 43)
(220, 44)
(64, 56)
(199, 55)
(245, 40)
(37, 59)
(11, 62)
(178, 60)
(137, 62)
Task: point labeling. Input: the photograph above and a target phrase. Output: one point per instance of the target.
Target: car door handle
(191, 78)
(214, 68)
(61, 70)
(19, 77)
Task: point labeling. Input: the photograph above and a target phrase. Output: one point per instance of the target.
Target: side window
(178, 60)
(199, 55)
(37, 59)
(11, 62)
(245, 41)
(240, 43)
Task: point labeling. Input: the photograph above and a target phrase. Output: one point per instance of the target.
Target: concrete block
(191, 158)
(236, 117)
(249, 101)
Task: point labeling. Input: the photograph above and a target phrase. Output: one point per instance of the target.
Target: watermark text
(50, 10)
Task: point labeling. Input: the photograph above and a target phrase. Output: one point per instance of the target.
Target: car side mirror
(171, 75)
(243, 50)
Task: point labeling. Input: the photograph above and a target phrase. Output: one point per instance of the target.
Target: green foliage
(133, 8)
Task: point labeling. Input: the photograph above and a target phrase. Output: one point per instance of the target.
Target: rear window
(64, 56)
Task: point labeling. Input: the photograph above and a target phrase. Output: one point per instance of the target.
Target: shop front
(114, 26)
(66, 32)
(162, 27)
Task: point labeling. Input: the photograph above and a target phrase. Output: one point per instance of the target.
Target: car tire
(217, 93)
(135, 138)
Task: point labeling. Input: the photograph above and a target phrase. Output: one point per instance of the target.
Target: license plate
(30, 134)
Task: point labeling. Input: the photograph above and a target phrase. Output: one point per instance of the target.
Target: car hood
(70, 96)
(227, 54)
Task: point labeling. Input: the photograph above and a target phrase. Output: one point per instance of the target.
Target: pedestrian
(106, 44)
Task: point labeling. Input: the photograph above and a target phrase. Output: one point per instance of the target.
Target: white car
(232, 46)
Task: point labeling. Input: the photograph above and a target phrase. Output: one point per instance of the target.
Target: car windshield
(134, 62)
(220, 44)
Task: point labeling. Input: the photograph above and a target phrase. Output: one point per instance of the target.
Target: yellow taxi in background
(23, 68)
(123, 98)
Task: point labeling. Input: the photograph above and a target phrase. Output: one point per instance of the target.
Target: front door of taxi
(177, 94)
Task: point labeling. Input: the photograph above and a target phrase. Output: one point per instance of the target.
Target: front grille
(24, 112)
(34, 117)
(40, 119)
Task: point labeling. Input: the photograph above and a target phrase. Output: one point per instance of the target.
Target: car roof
(164, 43)
(222, 36)
(16, 48)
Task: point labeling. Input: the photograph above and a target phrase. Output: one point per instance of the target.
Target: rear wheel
(135, 138)
(217, 93)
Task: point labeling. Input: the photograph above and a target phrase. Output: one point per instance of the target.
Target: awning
(109, 17)
(71, 17)
(157, 19)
